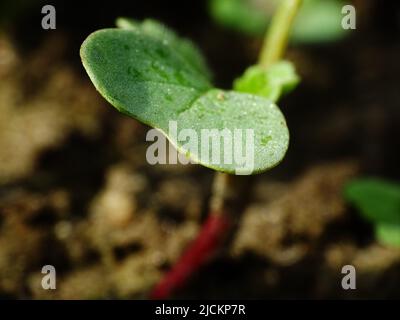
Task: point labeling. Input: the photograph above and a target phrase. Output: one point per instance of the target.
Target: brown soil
(77, 193)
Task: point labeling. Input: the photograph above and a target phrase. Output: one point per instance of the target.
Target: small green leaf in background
(388, 234)
(239, 15)
(379, 202)
(147, 72)
(317, 21)
(280, 78)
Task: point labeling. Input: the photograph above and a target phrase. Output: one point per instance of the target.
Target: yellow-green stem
(276, 39)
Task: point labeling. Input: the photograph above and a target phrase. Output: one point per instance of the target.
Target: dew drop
(169, 97)
(180, 78)
(133, 72)
(159, 70)
(161, 53)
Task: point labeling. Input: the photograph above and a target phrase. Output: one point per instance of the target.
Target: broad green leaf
(150, 80)
(159, 31)
(377, 200)
(271, 83)
(317, 20)
(231, 110)
(388, 234)
(142, 76)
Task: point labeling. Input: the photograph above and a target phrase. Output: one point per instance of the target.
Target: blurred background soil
(76, 191)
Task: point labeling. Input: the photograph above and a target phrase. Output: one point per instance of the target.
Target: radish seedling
(147, 72)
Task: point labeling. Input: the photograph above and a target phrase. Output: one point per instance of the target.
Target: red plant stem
(223, 210)
(196, 255)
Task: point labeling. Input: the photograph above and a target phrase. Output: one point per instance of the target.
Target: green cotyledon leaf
(153, 81)
(271, 83)
(161, 32)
